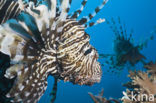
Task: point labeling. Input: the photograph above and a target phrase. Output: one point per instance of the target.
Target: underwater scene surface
(77, 51)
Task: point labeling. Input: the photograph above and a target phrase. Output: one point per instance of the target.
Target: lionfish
(124, 48)
(44, 40)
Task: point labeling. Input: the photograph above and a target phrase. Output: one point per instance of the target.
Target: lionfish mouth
(54, 43)
(89, 80)
(86, 79)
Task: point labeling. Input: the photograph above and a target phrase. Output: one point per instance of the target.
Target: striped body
(58, 46)
(9, 9)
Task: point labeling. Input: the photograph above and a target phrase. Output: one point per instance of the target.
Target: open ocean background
(139, 15)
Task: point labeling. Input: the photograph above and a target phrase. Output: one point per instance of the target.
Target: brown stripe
(97, 10)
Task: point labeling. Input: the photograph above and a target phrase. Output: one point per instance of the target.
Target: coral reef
(100, 99)
(142, 85)
(151, 67)
(44, 39)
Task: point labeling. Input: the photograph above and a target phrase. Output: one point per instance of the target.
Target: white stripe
(15, 12)
(5, 45)
(64, 7)
(11, 11)
(21, 5)
(27, 94)
(53, 8)
(2, 4)
(21, 87)
(69, 22)
(7, 11)
(73, 46)
(19, 73)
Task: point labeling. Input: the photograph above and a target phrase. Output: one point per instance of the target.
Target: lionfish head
(82, 68)
(54, 44)
(77, 59)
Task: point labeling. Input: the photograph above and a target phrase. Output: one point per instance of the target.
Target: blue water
(139, 15)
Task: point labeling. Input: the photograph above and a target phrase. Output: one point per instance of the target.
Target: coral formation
(44, 39)
(143, 85)
(151, 67)
(100, 99)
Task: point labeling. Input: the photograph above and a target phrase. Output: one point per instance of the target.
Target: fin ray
(92, 15)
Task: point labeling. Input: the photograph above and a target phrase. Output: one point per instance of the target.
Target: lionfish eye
(88, 51)
(53, 43)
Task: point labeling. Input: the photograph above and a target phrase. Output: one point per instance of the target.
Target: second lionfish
(45, 40)
(126, 51)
